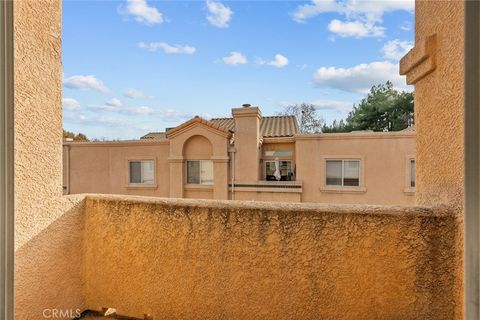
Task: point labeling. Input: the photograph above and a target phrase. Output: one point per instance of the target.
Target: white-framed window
(141, 171)
(342, 173)
(200, 172)
(412, 173)
(285, 168)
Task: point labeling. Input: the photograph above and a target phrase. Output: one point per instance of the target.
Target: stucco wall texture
(204, 259)
(439, 104)
(48, 226)
(102, 167)
(436, 67)
(184, 259)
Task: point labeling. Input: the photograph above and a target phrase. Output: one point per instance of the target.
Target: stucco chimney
(247, 143)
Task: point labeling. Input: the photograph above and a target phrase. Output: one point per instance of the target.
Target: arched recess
(198, 139)
(199, 175)
(197, 147)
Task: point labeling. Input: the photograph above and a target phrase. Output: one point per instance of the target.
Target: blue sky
(134, 66)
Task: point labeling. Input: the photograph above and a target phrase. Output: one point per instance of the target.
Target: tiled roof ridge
(277, 116)
(197, 119)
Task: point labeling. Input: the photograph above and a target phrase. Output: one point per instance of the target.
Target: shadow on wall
(49, 269)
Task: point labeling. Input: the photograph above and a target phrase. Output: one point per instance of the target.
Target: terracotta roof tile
(270, 127)
(274, 126)
(154, 135)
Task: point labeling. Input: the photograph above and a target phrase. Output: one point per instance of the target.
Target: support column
(220, 176)
(176, 177)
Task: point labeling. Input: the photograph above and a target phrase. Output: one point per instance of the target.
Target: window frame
(285, 160)
(412, 177)
(343, 173)
(140, 185)
(408, 189)
(7, 203)
(200, 173)
(322, 175)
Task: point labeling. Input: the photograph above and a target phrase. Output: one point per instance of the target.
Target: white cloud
(114, 107)
(95, 120)
(235, 58)
(280, 61)
(372, 10)
(337, 106)
(360, 78)
(84, 83)
(334, 105)
(139, 110)
(362, 17)
(171, 115)
(144, 13)
(355, 29)
(114, 103)
(167, 48)
(167, 115)
(70, 104)
(133, 93)
(219, 15)
(307, 11)
(396, 49)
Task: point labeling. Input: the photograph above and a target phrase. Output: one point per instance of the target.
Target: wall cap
(121, 143)
(278, 207)
(349, 135)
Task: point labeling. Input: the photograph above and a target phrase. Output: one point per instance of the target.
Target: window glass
(334, 173)
(286, 170)
(345, 173)
(193, 172)
(351, 173)
(269, 170)
(142, 171)
(285, 166)
(412, 173)
(147, 172)
(206, 176)
(135, 172)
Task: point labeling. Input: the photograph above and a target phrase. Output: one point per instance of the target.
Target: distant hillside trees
(384, 109)
(307, 117)
(75, 137)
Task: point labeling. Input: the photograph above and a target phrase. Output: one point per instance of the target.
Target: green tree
(336, 126)
(383, 109)
(74, 137)
(307, 117)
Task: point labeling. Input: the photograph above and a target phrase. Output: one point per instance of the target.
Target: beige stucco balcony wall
(204, 259)
(48, 226)
(436, 67)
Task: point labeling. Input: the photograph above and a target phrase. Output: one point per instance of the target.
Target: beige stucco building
(248, 157)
